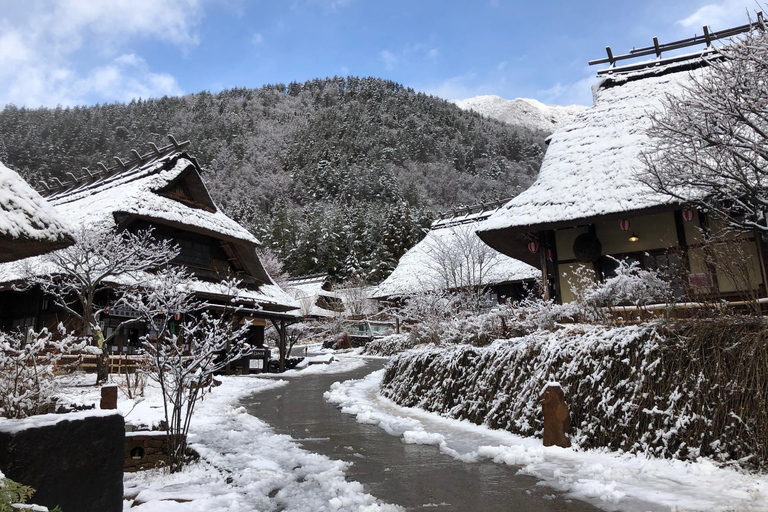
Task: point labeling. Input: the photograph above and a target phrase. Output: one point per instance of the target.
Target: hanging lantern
(177, 316)
(688, 215)
(625, 225)
(549, 255)
(533, 247)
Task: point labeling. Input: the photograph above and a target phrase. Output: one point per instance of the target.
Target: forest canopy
(338, 175)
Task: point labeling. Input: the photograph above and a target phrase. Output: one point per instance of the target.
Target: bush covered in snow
(679, 390)
(441, 317)
(27, 361)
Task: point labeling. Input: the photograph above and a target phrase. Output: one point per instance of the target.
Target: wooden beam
(707, 38)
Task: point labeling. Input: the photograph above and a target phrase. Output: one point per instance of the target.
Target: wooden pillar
(761, 257)
(283, 345)
(553, 247)
(544, 276)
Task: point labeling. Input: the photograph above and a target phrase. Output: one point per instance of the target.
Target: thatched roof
(445, 251)
(28, 224)
(165, 188)
(590, 169)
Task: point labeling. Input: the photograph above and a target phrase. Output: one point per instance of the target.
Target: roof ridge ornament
(136, 160)
(658, 49)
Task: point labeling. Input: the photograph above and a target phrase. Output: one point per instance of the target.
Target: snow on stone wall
(669, 390)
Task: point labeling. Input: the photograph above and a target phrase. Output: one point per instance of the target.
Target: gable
(188, 188)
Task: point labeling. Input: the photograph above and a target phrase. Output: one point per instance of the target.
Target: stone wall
(73, 460)
(145, 450)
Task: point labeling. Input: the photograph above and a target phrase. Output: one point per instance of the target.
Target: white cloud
(433, 53)
(455, 88)
(501, 66)
(720, 15)
(40, 43)
(389, 59)
(344, 71)
(257, 38)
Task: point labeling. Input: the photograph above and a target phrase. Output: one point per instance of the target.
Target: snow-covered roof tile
(28, 224)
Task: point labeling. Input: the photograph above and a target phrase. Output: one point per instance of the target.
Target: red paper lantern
(549, 255)
(688, 215)
(177, 316)
(625, 225)
(533, 247)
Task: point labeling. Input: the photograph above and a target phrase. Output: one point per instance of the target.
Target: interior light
(634, 237)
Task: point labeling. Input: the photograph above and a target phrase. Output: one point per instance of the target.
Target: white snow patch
(523, 112)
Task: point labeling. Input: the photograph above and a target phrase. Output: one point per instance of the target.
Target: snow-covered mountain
(523, 112)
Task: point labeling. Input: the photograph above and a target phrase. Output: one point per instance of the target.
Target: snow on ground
(608, 480)
(244, 465)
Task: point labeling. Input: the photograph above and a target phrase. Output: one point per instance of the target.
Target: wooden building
(588, 205)
(162, 189)
(28, 224)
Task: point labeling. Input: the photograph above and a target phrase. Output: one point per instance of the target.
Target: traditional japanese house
(588, 206)
(28, 224)
(452, 257)
(315, 296)
(164, 190)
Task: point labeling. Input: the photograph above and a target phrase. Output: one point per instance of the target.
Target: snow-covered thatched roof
(28, 224)
(164, 188)
(312, 292)
(452, 254)
(591, 166)
(146, 191)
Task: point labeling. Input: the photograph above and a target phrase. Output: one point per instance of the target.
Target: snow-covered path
(608, 480)
(244, 465)
(417, 477)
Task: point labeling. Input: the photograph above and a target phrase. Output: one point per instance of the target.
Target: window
(195, 253)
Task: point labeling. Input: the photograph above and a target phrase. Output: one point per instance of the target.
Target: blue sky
(71, 52)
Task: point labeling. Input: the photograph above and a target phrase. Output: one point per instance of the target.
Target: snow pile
(26, 215)
(523, 112)
(668, 390)
(610, 481)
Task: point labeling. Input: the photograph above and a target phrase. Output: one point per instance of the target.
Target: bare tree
(273, 265)
(86, 277)
(710, 143)
(186, 346)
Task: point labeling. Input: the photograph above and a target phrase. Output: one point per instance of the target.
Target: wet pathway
(418, 477)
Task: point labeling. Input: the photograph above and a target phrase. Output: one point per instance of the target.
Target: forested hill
(337, 175)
